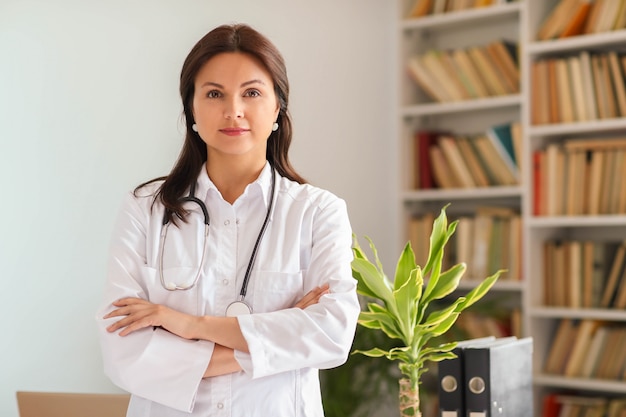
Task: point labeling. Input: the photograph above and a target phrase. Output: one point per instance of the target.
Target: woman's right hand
(313, 296)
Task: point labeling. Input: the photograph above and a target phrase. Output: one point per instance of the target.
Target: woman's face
(234, 105)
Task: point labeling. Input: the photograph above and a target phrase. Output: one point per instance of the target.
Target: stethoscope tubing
(170, 286)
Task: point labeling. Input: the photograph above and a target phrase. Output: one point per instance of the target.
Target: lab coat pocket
(276, 290)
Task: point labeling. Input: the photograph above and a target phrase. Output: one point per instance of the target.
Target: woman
(171, 332)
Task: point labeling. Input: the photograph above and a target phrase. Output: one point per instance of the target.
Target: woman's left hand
(138, 313)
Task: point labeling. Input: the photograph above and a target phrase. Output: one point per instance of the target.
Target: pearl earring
(194, 127)
(274, 127)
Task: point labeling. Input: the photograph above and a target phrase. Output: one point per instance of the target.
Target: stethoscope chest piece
(238, 308)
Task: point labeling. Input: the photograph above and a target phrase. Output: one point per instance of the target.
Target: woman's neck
(231, 179)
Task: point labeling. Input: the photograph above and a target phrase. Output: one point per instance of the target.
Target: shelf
(461, 18)
(607, 220)
(577, 313)
(586, 384)
(561, 129)
(461, 106)
(577, 43)
(461, 194)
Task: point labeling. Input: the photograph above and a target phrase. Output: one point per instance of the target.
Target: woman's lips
(234, 131)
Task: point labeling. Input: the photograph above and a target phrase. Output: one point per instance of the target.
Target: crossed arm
(137, 314)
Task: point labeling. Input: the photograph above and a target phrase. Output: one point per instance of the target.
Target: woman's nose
(233, 109)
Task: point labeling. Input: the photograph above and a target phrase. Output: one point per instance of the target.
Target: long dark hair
(226, 38)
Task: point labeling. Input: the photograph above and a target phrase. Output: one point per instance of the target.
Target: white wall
(89, 108)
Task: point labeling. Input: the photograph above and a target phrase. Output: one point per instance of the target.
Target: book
(576, 24)
(487, 72)
(574, 273)
(618, 83)
(588, 86)
(550, 406)
(595, 182)
(538, 183)
(578, 88)
(620, 294)
(504, 66)
(517, 138)
(506, 54)
(433, 64)
(556, 21)
(425, 80)
(472, 161)
(539, 86)
(607, 16)
(553, 92)
(564, 90)
(423, 173)
(442, 172)
(502, 140)
(492, 159)
(594, 15)
(469, 70)
(584, 334)
(614, 274)
(620, 21)
(560, 347)
(596, 346)
(458, 168)
(421, 8)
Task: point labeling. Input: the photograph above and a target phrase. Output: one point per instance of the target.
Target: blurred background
(89, 108)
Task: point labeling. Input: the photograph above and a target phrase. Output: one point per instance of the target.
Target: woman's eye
(213, 94)
(252, 93)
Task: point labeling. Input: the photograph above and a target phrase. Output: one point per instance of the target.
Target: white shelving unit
(517, 21)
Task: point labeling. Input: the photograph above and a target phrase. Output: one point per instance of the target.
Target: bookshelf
(419, 110)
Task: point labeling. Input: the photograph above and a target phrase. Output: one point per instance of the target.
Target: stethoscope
(240, 306)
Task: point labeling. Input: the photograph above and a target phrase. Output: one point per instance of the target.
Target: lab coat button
(226, 222)
(220, 405)
(225, 282)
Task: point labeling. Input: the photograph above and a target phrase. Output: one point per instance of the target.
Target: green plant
(402, 308)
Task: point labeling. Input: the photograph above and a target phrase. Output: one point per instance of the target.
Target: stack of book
(569, 405)
(467, 73)
(588, 349)
(580, 177)
(488, 241)
(427, 7)
(444, 160)
(577, 17)
(584, 274)
(583, 87)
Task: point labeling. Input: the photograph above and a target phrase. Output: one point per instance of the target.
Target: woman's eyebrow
(244, 84)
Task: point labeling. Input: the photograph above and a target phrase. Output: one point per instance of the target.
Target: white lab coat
(307, 243)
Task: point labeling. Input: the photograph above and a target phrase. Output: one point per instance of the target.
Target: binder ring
(476, 385)
(448, 383)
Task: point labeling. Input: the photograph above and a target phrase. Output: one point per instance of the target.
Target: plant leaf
(373, 280)
(443, 326)
(406, 264)
(374, 353)
(437, 317)
(480, 290)
(447, 282)
(407, 299)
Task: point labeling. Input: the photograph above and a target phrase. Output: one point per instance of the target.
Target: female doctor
(229, 281)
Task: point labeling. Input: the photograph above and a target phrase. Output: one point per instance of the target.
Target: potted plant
(401, 308)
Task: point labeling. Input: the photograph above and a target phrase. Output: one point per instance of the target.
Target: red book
(551, 406)
(424, 139)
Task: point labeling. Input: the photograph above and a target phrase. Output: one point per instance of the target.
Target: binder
(451, 379)
(498, 379)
